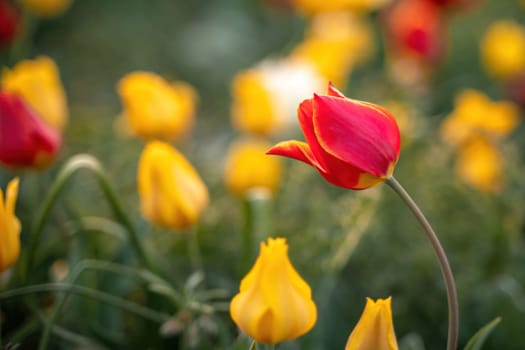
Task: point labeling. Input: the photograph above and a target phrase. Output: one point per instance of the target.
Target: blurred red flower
(25, 140)
(9, 22)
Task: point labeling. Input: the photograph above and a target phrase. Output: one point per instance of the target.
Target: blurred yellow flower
(503, 49)
(335, 42)
(155, 108)
(46, 8)
(474, 112)
(9, 226)
(375, 329)
(316, 6)
(265, 97)
(38, 82)
(480, 164)
(172, 194)
(274, 303)
(248, 168)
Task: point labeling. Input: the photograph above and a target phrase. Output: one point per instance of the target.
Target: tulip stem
(194, 250)
(74, 164)
(450, 285)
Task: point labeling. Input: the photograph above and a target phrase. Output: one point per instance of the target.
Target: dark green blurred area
(206, 43)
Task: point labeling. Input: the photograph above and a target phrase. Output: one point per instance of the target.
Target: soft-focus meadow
(233, 72)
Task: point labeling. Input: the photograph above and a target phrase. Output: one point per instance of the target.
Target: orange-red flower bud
(25, 140)
(353, 144)
(9, 23)
(416, 29)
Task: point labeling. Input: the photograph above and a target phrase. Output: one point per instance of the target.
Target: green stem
(256, 227)
(74, 164)
(194, 251)
(448, 277)
(106, 267)
(126, 305)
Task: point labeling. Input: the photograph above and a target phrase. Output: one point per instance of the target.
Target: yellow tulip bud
(172, 194)
(310, 7)
(9, 226)
(249, 168)
(46, 8)
(503, 49)
(480, 164)
(375, 329)
(274, 303)
(154, 108)
(38, 82)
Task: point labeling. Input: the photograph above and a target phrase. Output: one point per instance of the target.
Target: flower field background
(233, 72)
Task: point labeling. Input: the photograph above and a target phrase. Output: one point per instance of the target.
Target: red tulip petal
(361, 134)
(296, 150)
(305, 113)
(332, 91)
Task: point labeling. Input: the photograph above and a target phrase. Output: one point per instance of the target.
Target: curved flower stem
(74, 164)
(450, 285)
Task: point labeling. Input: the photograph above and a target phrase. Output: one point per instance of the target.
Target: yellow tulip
(317, 6)
(274, 303)
(9, 226)
(38, 82)
(375, 329)
(249, 168)
(154, 108)
(335, 42)
(265, 97)
(474, 112)
(503, 49)
(480, 165)
(172, 194)
(46, 8)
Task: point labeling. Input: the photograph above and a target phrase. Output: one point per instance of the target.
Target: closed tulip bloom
(375, 329)
(352, 144)
(172, 194)
(46, 8)
(38, 82)
(311, 7)
(248, 168)
(9, 226)
(274, 303)
(154, 108)
(25, 141)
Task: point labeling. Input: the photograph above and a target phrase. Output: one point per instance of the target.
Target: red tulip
(416, 28)
(9, 22)
(25, 140)
(353, 144)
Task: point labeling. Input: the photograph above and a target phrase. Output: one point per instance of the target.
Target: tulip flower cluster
(160, 111)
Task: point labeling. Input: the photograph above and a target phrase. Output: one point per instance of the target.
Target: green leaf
(479, 338)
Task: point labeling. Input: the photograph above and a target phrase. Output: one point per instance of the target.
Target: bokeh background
(347, 245)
